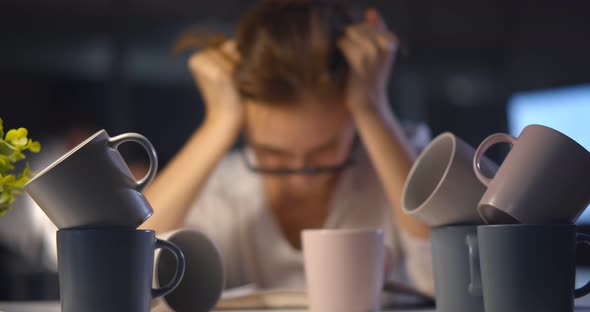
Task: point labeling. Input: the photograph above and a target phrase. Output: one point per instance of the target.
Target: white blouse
(232, 211)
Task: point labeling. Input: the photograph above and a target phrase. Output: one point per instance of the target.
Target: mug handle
(147, 145)
(482, 149)
(474, 287)
(584, 290)
(178, 275)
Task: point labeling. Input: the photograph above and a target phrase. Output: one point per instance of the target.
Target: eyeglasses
(248, 157)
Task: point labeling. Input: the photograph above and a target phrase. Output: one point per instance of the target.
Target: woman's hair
(289, 50)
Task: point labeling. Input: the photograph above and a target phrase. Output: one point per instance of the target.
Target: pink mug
(344, 269)
(544, 179)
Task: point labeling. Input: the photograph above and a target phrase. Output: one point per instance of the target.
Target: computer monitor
(566, 109)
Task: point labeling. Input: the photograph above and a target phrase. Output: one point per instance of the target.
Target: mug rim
(440, 137)
(488, 204)
(528, 225)
(342, 231)
(451, 226)
(104, 229)
(66, 155)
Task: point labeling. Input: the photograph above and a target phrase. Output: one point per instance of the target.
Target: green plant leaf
(17, 137)
(23, 178)
(34, 146)
(16, 156)
(5, 198)
(5, 163)
(8, 179)
(6, 148)
(13, 145)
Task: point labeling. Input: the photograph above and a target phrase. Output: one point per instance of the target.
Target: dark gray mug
(203, 280)
(92, 185)
(530, 267)
(110, 269)
(457, 277)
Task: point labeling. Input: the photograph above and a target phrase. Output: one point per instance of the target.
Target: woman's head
(292, 77)
(289, 51)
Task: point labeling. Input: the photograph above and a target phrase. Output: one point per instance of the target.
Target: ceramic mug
(91, 185)
(111, 269)
(441, 188)
(530, 268)
(203, 280)
(545, 178)
(344, 269)
(457, 275)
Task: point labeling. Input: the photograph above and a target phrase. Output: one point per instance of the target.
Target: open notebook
(250, 297)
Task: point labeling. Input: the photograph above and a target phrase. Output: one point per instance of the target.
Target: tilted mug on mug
(545, 178)
(111, 270)
(92, 186)
(203, 280)
(441, 188)
(457, 275)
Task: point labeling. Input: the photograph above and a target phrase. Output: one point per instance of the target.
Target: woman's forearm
(176, 187)
(392, 155)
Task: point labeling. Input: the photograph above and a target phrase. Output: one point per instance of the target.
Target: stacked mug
(105, 263)
(503, 238)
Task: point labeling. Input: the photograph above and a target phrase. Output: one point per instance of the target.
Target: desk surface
(54, 307)
(582, 305)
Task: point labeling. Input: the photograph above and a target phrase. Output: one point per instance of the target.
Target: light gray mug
(457, 275)
(441, 188)
(545, 178)
(91, 185)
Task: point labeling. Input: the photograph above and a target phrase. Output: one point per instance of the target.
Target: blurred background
(470, 67)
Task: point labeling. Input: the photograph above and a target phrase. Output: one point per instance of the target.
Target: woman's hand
(369, 48)
(174, 190)
(212, 69)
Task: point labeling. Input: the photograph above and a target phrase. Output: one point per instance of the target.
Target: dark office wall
(108, 63)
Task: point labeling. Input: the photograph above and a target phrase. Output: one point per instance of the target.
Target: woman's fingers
(373, 17)
(223, 60)
(352, 53)
(223, 57)
(386, 41)
(375, 27)
(370, 50)
(211, 65)
(230, 50)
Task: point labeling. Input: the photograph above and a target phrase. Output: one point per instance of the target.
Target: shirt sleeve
(417, 252)
(213, 215)
(418, 259)
(218, 213)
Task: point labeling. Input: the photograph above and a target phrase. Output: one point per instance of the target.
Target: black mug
(530, 267)
(110, 269)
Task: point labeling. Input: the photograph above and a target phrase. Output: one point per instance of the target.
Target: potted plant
(14, 143)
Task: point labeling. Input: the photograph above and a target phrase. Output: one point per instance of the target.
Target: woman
(306, 85)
